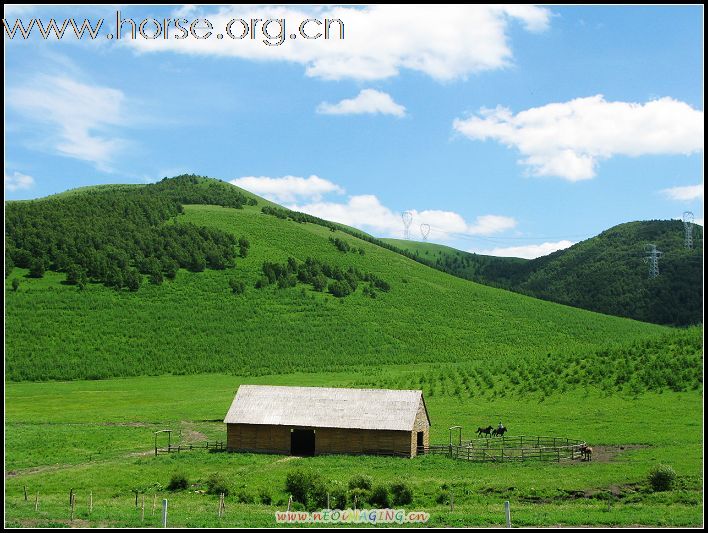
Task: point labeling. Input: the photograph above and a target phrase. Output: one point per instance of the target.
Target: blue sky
(512, 131)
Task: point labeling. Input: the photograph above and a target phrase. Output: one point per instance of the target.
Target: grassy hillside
(607, 273)
(480, 354)
(195, 323)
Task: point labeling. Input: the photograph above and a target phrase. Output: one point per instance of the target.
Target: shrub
(216, 484)
(237, 286)
(662, 477)
(360, 481)
(243, 496)
(15, 284)
(340, 289)
(337, 495)
(298, 484)
(359, 497)
(178, 481)
(265, 497)
(402, 494)
(379, 497)
(317, 494)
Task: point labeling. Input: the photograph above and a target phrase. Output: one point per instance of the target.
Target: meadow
(97, 436)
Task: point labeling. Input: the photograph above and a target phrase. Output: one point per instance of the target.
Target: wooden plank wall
(276, 439)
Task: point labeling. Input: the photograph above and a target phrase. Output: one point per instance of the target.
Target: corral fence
(510, 449)
(214, 446)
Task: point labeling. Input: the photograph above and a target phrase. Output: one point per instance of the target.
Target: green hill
(399, 311)
(607, 273)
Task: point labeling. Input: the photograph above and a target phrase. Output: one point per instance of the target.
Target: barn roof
(326, 407)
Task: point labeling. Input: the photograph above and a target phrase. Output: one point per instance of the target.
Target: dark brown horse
(484, 431)
(499, 432)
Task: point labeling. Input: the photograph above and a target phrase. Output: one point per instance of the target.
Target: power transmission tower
(653, 260)
(688, 229)
(407, 218)
(425, 231)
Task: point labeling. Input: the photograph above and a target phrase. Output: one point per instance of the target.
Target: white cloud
(18, 181)
(78, 116)
(288, 188)
(444, 42)
(368, 213)
(685, 194)
(569, 139)
(368, 101)
(529, 251)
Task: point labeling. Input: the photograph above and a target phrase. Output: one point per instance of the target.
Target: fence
(509, 449)
(217, 446)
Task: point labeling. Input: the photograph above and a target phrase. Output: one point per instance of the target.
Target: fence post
(36, 502)
(452, 501)
(154, 502)
(25, 487)
(90, 503)
(507, 512)
(164, 513)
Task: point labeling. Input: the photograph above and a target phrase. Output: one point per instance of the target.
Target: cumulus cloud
(368, 213)
(529, 251)
(18, 181)
(368, 101)
(685, 193)
(443, 42)
(78, 117)
(569, 139)
(288, 188)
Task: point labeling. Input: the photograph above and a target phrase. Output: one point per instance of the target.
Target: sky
(510, 131)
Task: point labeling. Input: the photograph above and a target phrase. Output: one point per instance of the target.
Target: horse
(484, 431)
(585, 452)
(499, 432)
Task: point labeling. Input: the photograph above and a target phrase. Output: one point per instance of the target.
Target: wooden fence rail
(510, 449)
(177, 448)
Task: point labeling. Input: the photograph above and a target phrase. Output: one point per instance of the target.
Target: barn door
(302, 442)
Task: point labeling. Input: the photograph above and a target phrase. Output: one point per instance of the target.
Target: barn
(321, 420)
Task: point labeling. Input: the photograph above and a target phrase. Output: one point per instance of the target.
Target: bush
(317, 495)
(242, 496)
(337, 495)
(298, 484)
(402, 494)
(237, 286)
(360, 482)
(662, 478)
(216, 484)
(379, 497)
(178, 481)
(340, 289)
(359, 497)
(265, 497)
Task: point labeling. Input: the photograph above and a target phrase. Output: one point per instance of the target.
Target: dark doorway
(420, 439)
(302, 442)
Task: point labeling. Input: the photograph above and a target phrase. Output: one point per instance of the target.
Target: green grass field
(91, 375)
(98, 435)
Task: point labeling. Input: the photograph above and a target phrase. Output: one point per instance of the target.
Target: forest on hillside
(116, 235)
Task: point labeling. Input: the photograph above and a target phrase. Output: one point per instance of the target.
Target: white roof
(325, 407)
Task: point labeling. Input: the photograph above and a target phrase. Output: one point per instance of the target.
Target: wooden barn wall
(276, 439)
(420, 424)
